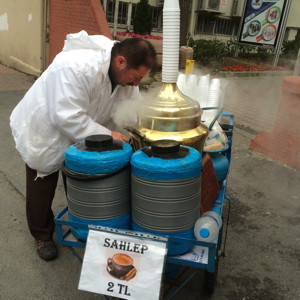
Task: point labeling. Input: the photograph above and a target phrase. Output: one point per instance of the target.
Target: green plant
(290, 48)
(265, 53)
(231, 46)
(209, 52)
(215, 53)
(142, 21)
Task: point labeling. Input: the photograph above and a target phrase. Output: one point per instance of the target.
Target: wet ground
(263, 240)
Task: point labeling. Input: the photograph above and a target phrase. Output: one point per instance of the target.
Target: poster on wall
(262, 22)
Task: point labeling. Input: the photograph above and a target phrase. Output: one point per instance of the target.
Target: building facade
(33, 34)
(208, 19)
(23, 35)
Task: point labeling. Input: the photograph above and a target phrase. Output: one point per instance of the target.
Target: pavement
(262, 246)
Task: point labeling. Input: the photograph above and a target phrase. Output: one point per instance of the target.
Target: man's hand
(119, 136)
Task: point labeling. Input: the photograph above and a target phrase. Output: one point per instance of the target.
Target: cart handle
(216, 117)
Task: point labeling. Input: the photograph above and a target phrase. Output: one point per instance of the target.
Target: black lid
(166, 149)
(165, 146)
(98, 141)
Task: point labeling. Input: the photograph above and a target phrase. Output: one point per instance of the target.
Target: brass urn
(169, 115)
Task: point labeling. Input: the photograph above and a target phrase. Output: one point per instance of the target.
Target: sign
(198, 254)
(262, 22)
(122, 266)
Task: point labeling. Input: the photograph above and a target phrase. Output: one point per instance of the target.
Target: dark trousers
(40, 193)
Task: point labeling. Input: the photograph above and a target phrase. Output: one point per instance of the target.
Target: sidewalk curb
(253, 73)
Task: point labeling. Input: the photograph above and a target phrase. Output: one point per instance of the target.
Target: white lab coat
(71, 100)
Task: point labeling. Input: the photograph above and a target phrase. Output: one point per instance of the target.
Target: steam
(254, 101)
(126, 112)
(208, 92)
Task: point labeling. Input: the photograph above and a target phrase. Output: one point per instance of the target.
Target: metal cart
(191, 261)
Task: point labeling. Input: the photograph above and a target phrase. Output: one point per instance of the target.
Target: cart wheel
(210, 279)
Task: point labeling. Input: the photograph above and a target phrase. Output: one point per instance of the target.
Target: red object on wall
(71, 16)
(282, 143)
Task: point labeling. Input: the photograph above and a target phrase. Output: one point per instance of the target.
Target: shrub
(209, 52)
(290, 48)
(142, 21)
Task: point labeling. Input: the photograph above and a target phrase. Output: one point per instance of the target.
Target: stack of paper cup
(187, 84)
(195, 87)
(213, 100)
(171, 32)
(203, 89)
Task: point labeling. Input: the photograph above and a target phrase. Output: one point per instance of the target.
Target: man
(71, 100)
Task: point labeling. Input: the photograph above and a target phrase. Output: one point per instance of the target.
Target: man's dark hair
(138, 52)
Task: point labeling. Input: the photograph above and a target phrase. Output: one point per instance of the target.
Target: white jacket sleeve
(67, 92)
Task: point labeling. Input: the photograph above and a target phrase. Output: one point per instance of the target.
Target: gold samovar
(169, 115)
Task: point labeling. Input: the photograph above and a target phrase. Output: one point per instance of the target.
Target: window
(133, 12)
(156, 18)
(213, 25)
(208, 25)
(122, 12)
(110, 9)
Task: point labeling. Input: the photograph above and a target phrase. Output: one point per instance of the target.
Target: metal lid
(166, 149)
(98, 140)
(99, 143)
(165, 146)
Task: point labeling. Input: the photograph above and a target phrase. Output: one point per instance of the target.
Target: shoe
(46, 250)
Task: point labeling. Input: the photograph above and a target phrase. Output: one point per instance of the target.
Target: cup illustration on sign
(268, 33)
(256, 4)
(273, 15)
(253, 29)
(121, 266)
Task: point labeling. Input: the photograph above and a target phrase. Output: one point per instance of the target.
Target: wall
(21, 35)
(209, 37)
(293, 19)
(293, 23)
(71, 16)
(225, 9)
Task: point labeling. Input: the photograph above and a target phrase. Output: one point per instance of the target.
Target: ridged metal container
(98, 183)
(165, 190)
(165, 206)
(101, 197)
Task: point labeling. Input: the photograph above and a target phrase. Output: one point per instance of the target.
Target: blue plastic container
(220, 163)
(165, 191)
(98, 183)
